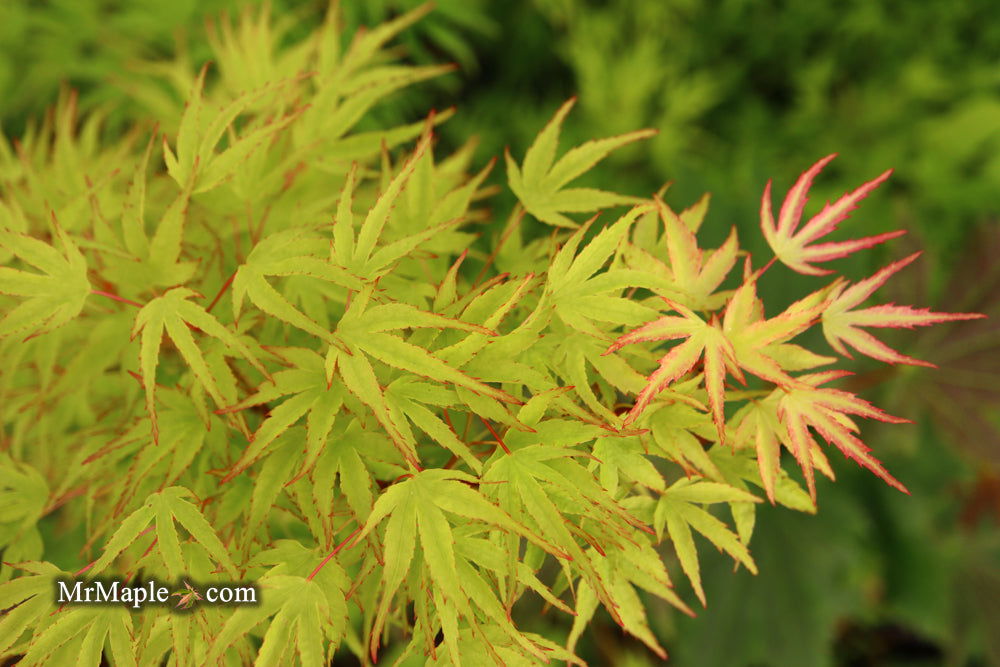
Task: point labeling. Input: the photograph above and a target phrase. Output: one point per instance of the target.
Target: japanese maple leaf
(290, 252)
(538, 183)
(163, 509)
(174, 314)
(798, 250)
(744, 340)
(759, 343)
(53, 297)
(307, 394)
(826, 410)
(357, 246)
(678, 510)
(363, 328)
(156, 261)
(305, 622)
(82, 633)
(840, 322)
(416, 508)
(759, 428)
(581, 293)
(703, 339)
(697, 277)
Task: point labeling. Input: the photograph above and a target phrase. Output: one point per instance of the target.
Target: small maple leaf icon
(188, 598)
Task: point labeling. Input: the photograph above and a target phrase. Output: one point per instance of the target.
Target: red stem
(495, 434)
(767, 266)
(115, 297)
(81, 571)
(222, 289)
(333, 553)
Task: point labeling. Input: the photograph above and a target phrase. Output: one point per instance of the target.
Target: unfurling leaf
(798, 250)
(841, 322)
(826, 410)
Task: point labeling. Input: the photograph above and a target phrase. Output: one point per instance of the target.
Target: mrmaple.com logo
(139, 594)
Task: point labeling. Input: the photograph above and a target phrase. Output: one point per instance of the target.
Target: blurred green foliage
(740, 91)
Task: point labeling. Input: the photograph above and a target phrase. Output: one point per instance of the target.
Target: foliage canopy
(396, 433)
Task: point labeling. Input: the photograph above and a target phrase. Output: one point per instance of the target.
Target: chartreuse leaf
(367, 45)
(286, 254)
(580, 296)
(488, 556)
(398, 353)
(435, 195)
(481, 594)
(740, 467)
(248, 53)
(531, 486)
(635, 564)
(11, 220)
(51, 298)
(678, 510)
(309, 395)
(24, 495)
(344, 248)
(364, 328)
(310, 612)
(400, 542)
(351, 83)
(624, 458)
(416, 507)
(405, 396)
(342, 458)
(492, 306)
(439, 556)
(196, 167)
(538, 183)
(177, 634)
(360, 380)
(164, 508)
(81, 634)
(760, 428)
(174, 315)
(167, 243)
(28, 601)
(152, 262)
(371, 229)
(358, 249)
(273, 477)
(303, 622)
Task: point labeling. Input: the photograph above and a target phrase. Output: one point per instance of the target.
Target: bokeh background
(741, 91)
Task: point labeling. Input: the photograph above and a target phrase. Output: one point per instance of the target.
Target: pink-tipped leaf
(797, 249)
(840, 322)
